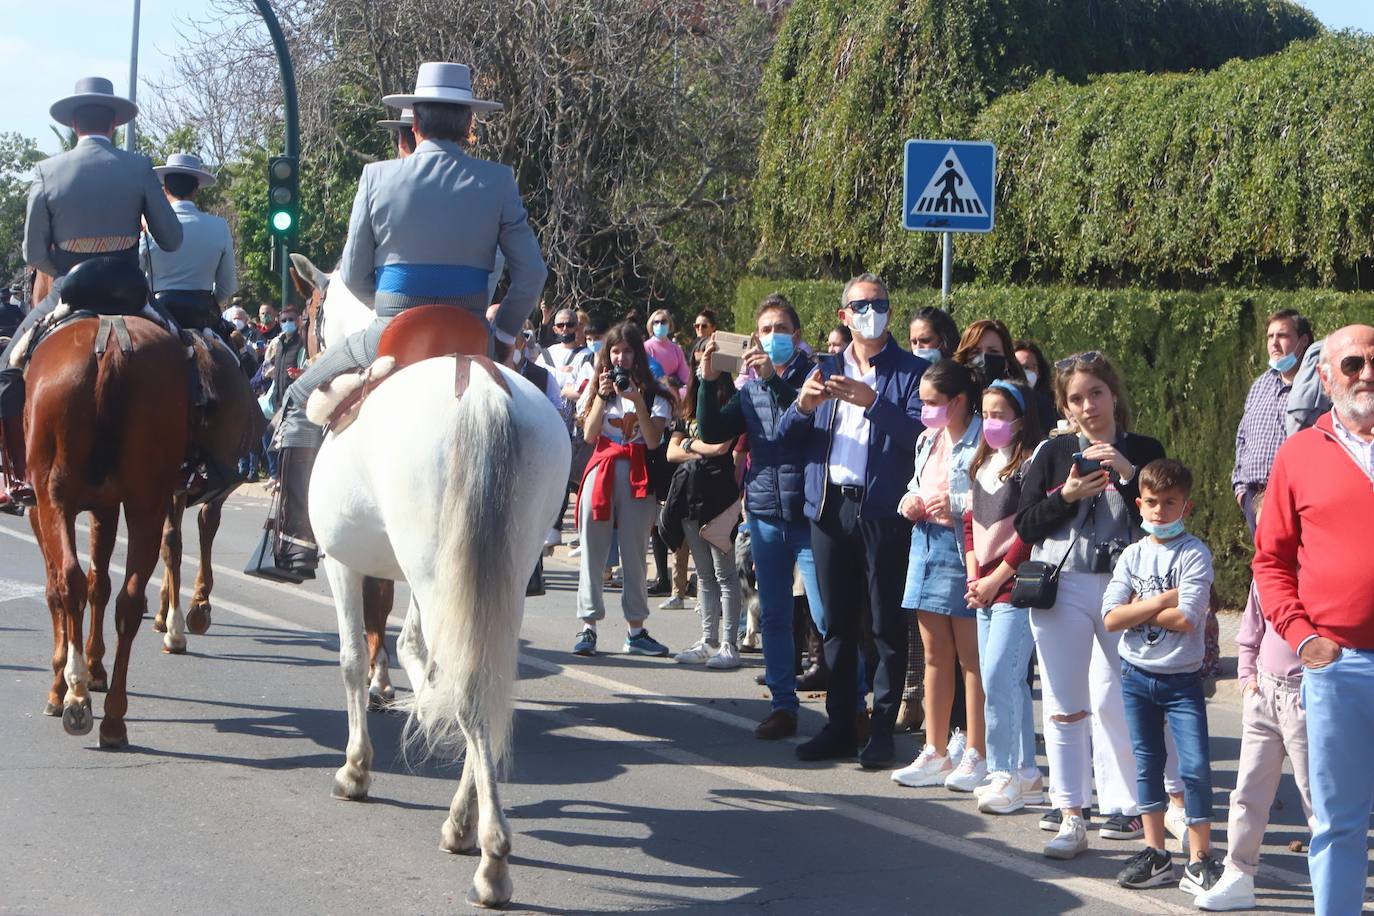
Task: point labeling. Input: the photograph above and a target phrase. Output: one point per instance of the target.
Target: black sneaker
(1122, 827)
(1051, 819)
(1199, 876)
(1147, 868)
(586, 643)
(828, 745)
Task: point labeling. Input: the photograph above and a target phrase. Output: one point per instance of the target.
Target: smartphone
(1086, 466)
(729, 355)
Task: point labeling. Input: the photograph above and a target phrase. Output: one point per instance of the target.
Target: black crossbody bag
(1036, 583)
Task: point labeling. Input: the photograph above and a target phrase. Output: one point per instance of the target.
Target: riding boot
(19, 491)
(297, 550)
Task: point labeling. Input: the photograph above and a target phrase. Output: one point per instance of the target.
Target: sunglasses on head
(1353, 365)
(1088, 357)
(861, 306)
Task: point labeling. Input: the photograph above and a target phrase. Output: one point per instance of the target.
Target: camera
(1106, 554)
(621, 379)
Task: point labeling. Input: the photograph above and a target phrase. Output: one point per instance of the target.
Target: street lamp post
(133, 78)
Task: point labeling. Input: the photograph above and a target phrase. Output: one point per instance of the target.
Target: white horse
(453, 496)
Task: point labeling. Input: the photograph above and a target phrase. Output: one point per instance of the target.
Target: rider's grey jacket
(426, 229)
(89, 201)
(205, 260)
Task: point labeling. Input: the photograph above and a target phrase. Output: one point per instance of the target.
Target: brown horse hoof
(52, 709)
(98, 684)
(198, 619)
(77, 718)
(160, 623)
(114, 740)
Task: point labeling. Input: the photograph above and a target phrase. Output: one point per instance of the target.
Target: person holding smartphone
(624, 412)
(1078, 506)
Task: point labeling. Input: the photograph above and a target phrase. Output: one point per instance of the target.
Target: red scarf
(603, 461)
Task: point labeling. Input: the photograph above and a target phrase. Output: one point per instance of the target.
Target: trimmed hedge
(850, 80)
(1188, 359)
(1260, 172)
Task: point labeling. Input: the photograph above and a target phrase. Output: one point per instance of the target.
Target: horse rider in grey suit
(195, 281)
(85, 203)
(424, 230)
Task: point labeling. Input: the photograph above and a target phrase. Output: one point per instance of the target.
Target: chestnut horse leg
(198, 617)
(378, 597)
(145, 523)
(104, 525)
(67, 591)
(49, 549)
(173, 623)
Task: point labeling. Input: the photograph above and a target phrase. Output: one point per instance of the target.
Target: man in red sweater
(1316, 519)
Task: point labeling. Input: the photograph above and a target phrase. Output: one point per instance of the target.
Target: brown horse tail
(112, 406)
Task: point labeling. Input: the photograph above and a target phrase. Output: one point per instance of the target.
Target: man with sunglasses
(856, 419)
(1317, 510)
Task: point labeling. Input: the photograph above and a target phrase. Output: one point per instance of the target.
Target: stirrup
(263, 564)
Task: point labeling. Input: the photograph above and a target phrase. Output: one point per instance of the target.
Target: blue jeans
(1339, 700)
(777, 546)
(1004, 650)
(1174, 701)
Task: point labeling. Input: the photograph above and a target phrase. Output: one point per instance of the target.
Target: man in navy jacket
(856, 420)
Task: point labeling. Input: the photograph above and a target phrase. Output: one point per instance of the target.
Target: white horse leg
(410, 646)
(491, 884)
(352, 780)
(459, 833)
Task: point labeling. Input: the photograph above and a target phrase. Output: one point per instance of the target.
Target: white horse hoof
(456, 841)
(77, 718)
(378, 700)
(491, 885)
(173, 645)
(351, 783)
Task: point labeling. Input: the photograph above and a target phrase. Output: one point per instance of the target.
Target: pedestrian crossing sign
(949, 186)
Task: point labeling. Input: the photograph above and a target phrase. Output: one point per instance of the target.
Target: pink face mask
(999, 433)
(935, 416)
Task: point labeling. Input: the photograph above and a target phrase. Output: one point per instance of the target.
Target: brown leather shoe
(910, 715)
(863, 727)
(814, 678)
(779, 724)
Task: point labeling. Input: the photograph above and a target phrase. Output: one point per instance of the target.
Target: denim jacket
(959, 460)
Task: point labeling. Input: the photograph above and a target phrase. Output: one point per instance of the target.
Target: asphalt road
(636, 785)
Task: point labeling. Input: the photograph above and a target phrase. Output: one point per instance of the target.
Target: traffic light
(283, 196)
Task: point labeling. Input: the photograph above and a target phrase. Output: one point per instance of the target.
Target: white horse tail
(476, 606)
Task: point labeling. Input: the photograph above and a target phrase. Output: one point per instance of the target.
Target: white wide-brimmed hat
(185, 164)
(406, 119)
(443, 83)
(93, 90)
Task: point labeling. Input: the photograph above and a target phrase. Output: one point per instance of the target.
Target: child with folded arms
(1158, 600)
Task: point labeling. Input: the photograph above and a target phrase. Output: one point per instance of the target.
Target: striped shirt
(1261, 431)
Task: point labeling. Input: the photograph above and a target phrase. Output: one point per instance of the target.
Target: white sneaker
(1032, 786)
(674, 603)
(928, 769)
(1071, 839)
(1235, 890)
(1002, 795)
(957, 740)
(698, 654)
(576, 551)
(970, 772)
(726, 659)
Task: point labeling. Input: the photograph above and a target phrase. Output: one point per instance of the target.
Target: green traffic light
(281, 221)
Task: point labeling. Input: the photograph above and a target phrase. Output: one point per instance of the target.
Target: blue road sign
(948, 186)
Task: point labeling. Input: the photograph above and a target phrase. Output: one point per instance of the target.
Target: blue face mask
(1163, 532)
(594, 346)
(779, 347)
(1284, 364)
(288, 327)
(930, 354)
(660, 329)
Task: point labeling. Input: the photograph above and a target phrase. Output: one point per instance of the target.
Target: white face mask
(870, 325)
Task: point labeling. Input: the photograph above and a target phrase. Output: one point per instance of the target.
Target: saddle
(415, 335)
(107, 286)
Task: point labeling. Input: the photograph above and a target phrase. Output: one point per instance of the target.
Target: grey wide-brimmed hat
(443, 83)
(406, 119)
(93, 90)
(185, 164)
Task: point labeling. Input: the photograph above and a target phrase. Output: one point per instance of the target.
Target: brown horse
(105, 431)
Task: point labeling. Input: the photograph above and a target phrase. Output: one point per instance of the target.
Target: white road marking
(1025, 864)
(14, 589)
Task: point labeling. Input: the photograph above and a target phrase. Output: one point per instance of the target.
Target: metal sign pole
(289, 111)
(947, 265)
(133, 80)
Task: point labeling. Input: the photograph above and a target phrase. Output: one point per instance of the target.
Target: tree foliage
(1188, 358)
(851, 80)
(18, 155)
(1259, 172)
